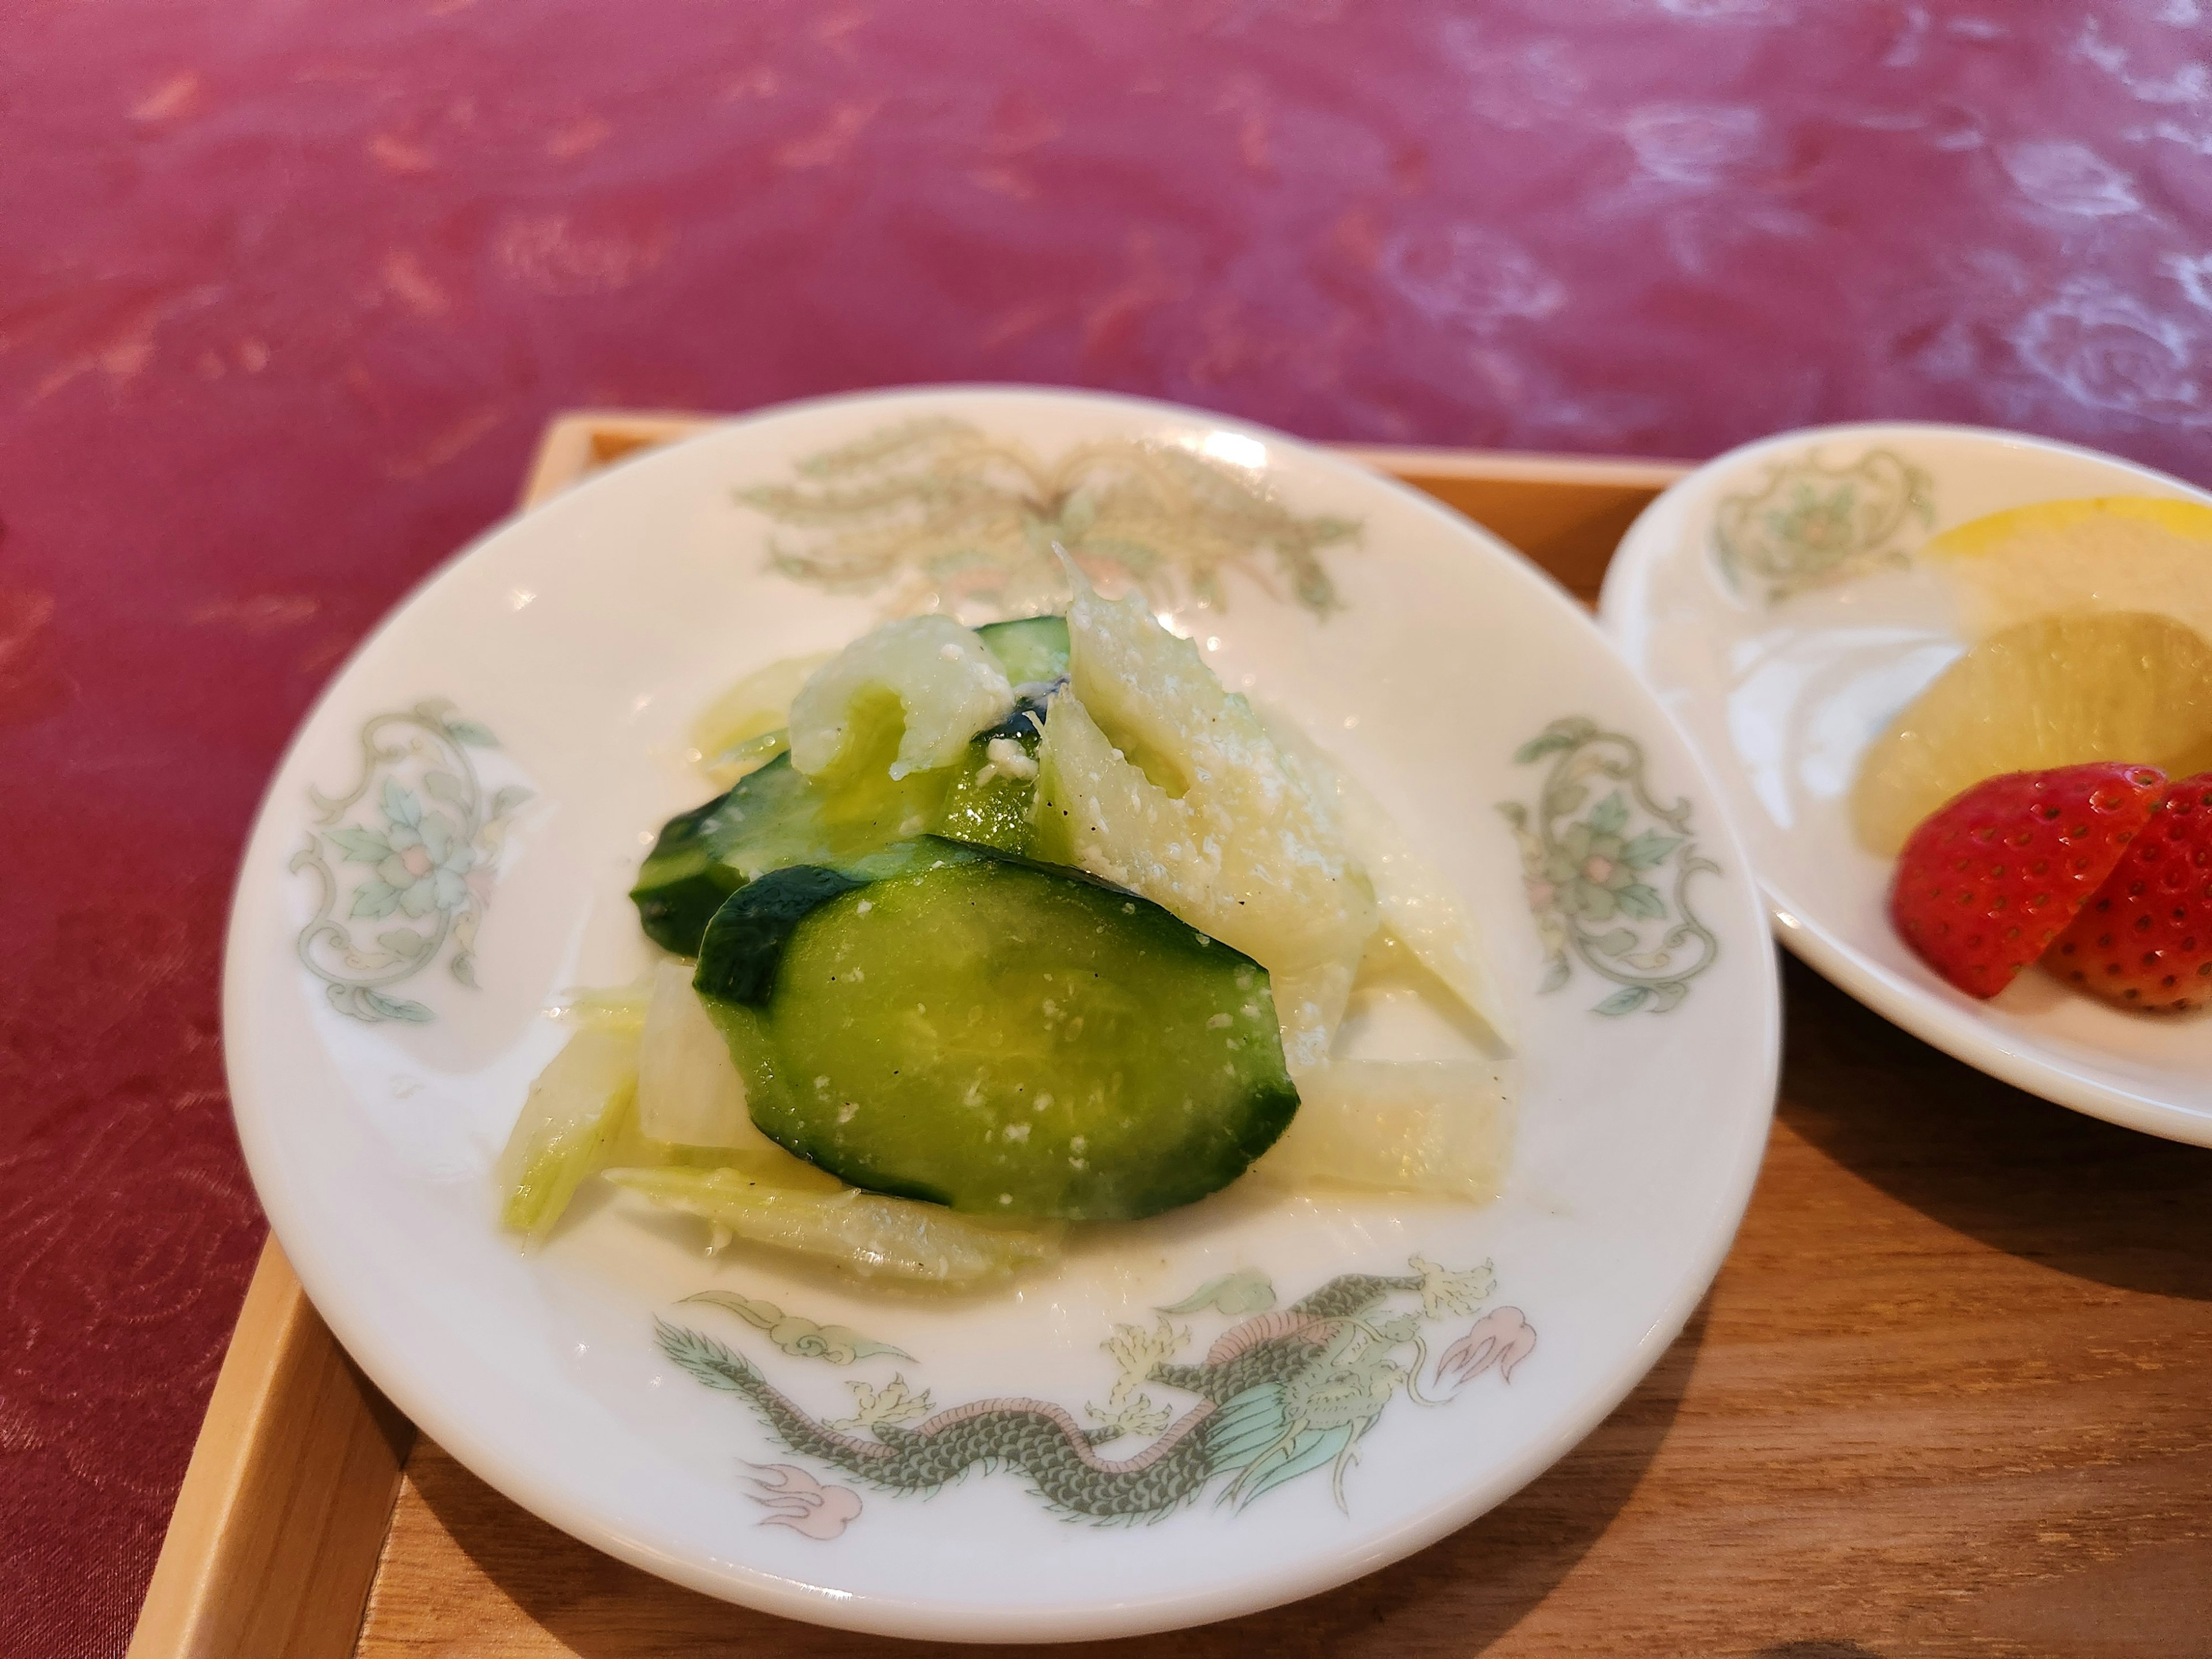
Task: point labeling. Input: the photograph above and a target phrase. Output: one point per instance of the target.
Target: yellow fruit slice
(2105, 553)
(2056, 691)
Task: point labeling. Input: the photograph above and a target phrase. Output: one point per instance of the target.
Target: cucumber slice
(1000, 1038)
(775, 818)
(778, 816)
(704, 855)
(727, 766)
(743, 946)
(1033, 650)
(989, 802)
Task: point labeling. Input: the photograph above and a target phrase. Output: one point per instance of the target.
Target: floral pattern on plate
(1280, 1393)
(1608, 879)
(430, 847)
(1810, 524)
(947, 516)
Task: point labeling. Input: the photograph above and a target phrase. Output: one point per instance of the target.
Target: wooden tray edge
(278, 1528)
(214, 1594)
(274, 1542)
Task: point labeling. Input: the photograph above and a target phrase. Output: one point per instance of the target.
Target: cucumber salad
(997, 930)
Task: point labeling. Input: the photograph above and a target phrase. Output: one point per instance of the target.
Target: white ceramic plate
(487, 770)
(1772, 600)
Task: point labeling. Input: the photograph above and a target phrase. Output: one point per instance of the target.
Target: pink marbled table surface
(287, 291)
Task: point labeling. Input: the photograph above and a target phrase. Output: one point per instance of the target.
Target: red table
(287, 291)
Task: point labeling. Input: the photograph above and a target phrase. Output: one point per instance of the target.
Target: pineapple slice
(946, 683)
(2106, 553)
(2057, 691)
(1153, 777)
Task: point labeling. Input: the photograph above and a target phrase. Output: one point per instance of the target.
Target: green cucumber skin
(744, 945)
(772, 819)
(690, 870)
(1033, 650)
(1136, 1063)
(994, 813)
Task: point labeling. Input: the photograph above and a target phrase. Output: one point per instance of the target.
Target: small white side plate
(1785, 662)
(447, 846)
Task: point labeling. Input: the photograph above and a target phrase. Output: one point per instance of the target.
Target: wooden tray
(1951, 1394)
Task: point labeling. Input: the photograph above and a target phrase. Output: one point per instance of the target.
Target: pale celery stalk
(575, 1111)
(866, 1234)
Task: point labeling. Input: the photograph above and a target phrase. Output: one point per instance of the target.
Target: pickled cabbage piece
(737, 733)
(1153, 777)
(1418, 905)
(616, 1007)
(575, 1111)
(767, 1162)
(865, 1234)
(947, 686)
(1438, 1126)
(688, 1092)
(1310, 1002)
(1033, 650)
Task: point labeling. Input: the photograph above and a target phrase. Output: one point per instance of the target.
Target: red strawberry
(2146, 939)
(1992, 877)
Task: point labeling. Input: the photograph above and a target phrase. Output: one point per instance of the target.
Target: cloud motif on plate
(795, 1498)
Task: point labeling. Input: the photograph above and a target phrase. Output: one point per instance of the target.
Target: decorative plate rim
(1107, 1616)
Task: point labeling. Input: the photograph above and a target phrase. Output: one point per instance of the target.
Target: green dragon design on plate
(1598, 883)
(1283, 1392)
(1810, 524)
(945, 516)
